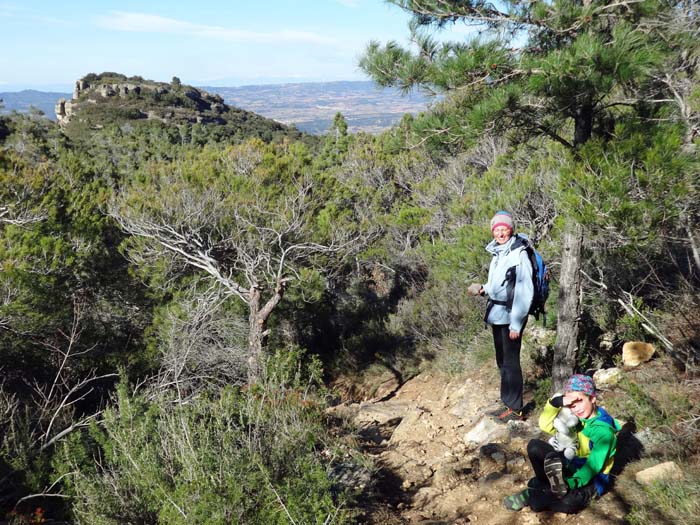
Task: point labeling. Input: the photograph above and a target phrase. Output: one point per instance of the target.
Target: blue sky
(48, 44)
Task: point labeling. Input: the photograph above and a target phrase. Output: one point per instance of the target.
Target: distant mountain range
(309, 106)
(22, 101)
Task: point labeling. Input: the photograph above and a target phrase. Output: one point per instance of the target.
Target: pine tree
(568, 70)
(561, 69)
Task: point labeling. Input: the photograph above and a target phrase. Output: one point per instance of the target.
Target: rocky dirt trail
(441, 460)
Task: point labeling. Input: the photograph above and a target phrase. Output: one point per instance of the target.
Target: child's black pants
(540, 496)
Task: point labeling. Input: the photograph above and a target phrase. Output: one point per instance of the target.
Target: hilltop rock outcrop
(113, 98)
(143, 99)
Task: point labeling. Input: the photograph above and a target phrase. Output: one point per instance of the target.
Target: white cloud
(145, 23)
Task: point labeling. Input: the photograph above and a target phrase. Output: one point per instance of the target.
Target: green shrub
(543, 391)
(243, 456)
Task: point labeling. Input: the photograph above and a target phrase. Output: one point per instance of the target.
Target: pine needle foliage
(537, 67)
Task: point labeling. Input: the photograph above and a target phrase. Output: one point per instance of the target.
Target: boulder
(380, 413)
(607, 377)
(351, 476)
(64, 110)
(661, 472)
(486, 431)
(413, 427)
(635, 352)
(652, 441)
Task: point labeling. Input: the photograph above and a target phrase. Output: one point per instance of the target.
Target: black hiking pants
(540, 497)
(508, 361)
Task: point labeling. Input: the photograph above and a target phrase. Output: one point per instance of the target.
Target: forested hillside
(183, 298)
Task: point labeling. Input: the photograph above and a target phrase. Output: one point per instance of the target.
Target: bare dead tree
(200, 344)
(19, 215)
(8, 293)
(681, 76)
(30, 427)
(55, 403)
(251, 246)
(16, 203)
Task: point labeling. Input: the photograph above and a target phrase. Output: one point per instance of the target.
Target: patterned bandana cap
(502, 218)
(580, 383)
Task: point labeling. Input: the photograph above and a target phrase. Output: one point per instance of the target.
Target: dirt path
(442, 460)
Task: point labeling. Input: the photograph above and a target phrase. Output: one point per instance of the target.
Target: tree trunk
(583, 124)
(256, 334)
(257, 330)
(569, 306)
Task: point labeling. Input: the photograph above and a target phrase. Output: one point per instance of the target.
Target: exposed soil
(440, 459)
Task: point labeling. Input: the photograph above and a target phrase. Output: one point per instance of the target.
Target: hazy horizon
(68, 88)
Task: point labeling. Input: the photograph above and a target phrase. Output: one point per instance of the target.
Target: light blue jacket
(496, 287)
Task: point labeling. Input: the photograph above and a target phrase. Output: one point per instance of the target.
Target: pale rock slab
(486, 431)
(661, 472)
(635, 353)
(407, 429)
(380, 413)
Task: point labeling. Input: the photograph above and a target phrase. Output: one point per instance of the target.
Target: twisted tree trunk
(258, 316)
(256, 335)
(569, 307)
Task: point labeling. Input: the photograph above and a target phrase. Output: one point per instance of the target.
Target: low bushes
(240, 456)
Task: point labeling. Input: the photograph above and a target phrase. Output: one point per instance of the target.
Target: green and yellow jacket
(597, 441)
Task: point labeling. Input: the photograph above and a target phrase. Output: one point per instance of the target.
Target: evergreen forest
(180, 303)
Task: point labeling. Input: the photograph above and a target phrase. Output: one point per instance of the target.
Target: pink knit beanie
(502, 218)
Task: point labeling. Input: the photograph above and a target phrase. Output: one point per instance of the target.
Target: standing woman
(510, 289)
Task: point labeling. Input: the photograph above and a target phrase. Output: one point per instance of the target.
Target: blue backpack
(540, 279)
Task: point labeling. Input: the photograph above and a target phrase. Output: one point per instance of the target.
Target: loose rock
(661, 472)
(607, 377)
(635, 353)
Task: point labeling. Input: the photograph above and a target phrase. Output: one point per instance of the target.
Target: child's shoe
(517, 501)
(554, 468)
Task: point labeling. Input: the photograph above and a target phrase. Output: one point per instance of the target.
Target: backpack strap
(489, 306)
(519, 242)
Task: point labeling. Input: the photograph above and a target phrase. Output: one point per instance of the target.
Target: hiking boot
(509, 415)
(554, 468)
(517, 501)
(496, 410)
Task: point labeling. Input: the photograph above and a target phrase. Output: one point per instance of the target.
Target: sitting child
(560, 484)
